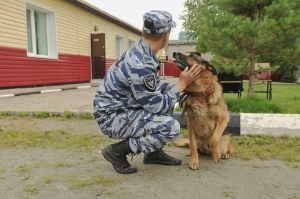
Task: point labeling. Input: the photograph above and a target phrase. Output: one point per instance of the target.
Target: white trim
(129, 40)
(51, 31)
(121, 45)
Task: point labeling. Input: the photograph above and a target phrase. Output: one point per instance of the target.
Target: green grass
(60, 139)
(43, 114)
(285, 100)
(266, 147)
(252, 105)
(46, 114)
(31, 189)
(92, 180)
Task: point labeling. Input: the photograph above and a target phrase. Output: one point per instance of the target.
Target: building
(58, 41)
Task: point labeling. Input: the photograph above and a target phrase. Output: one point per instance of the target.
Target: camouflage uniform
(131, 101)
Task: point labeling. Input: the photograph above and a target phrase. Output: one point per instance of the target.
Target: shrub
(288, 77)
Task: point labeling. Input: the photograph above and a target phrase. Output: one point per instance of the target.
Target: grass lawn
(285, 100)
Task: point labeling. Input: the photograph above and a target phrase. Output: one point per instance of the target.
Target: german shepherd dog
(207, 114)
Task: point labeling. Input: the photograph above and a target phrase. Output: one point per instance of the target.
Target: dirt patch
(51, 172)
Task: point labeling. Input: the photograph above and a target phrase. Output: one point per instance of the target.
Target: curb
(46, 91)
(239, 124)
(258, 124)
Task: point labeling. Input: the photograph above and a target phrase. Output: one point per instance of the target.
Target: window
(120, 47)
(130, 43)
(41, 32)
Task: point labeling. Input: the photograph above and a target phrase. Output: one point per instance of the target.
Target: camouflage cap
(158, 21)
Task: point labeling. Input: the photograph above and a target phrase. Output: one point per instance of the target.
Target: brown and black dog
(207, 114)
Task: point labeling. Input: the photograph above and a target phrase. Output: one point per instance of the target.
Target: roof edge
(93, 9)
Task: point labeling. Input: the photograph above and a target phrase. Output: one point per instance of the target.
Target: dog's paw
(194, 165)
(225, 156)
(216, 155)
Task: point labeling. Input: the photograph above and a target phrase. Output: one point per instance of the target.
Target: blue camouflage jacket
(133, 82)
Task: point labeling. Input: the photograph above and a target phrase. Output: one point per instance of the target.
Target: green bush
(288, 77)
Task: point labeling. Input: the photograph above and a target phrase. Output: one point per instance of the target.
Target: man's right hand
(188, 76)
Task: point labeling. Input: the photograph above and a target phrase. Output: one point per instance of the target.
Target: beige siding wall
(74, 26)
(111, 31)
(12, 24)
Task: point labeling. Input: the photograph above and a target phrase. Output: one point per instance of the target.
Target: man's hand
(188, 76)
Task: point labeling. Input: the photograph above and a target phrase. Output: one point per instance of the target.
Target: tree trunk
(252, 54)
(251, 69)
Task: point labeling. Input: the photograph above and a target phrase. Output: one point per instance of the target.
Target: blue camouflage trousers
(146, 131)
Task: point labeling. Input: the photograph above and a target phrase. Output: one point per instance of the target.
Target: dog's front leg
(214, 140)
(194, 163)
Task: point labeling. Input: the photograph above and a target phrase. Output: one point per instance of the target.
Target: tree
(245, 31)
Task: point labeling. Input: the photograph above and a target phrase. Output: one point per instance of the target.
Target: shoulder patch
(150, 82)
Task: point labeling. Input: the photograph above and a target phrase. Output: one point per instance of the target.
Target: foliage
(247, 31)
(288, 77)
(236, 69)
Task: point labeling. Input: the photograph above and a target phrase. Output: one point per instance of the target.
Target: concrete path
(54, 99)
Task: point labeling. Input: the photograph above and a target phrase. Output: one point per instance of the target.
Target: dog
(207, 114)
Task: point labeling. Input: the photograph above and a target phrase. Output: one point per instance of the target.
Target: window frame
(51, 31)
(120, 46)
(131, 42)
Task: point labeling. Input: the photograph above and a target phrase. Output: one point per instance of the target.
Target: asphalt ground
(57, 99)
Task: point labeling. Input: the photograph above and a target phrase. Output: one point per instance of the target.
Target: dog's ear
(197, 56)
(212, 69)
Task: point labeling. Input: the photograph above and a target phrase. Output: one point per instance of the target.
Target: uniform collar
(148, 53)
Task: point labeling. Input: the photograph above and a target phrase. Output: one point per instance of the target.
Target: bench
(265, 77)
(231, 83)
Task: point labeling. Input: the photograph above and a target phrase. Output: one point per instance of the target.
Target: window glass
(41, 33)
(29, 31)
(117, 47)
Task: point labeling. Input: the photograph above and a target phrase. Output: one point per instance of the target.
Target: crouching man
(132, 103)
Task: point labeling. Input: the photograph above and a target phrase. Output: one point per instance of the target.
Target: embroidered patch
(150, 82)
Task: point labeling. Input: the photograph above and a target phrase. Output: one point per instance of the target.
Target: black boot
(116, 155)
(160, 157)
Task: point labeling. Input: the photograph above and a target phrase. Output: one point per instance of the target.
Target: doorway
(98, 55)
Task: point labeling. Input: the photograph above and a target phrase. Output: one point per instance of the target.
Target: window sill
(41, 57)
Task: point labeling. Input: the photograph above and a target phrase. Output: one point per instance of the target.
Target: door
(98, 55)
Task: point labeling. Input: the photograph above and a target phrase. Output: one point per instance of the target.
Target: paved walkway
(54, 99)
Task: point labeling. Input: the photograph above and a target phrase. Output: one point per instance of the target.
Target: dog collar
(207, 92)
(184, 95)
